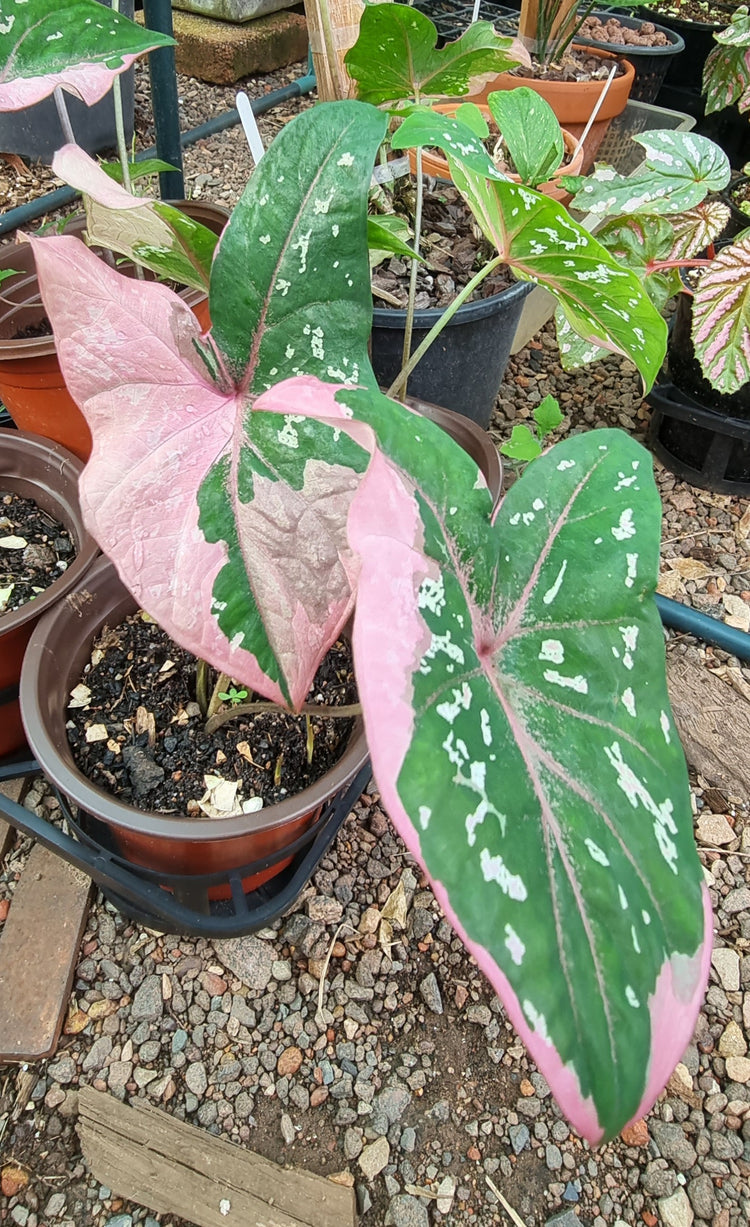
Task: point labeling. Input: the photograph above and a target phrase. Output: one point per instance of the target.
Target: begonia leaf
(721, 318)
(77, 44)
(679, 170)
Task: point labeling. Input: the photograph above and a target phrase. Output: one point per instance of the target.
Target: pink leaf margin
(89, 82)
(76, 168)
(386, 695)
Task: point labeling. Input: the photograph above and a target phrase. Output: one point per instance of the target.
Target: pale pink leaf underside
(89, 82)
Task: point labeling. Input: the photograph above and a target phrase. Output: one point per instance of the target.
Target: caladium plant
(74, 44)
(253, 486)
(726, 72)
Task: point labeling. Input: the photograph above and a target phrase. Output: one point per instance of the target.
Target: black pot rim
(395, 317)
(57, 762)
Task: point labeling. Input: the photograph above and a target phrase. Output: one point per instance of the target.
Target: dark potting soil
(35, 549)
(709, 12)
(617, 35)
(449, 242)
(41, 329)
(140, 736)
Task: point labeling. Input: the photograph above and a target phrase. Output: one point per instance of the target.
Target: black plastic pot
(651, 63)
(698, 37)
(738, 220)
(36, 132)
(700, 445)
(727, 127)
(701, 435)
(464, 367)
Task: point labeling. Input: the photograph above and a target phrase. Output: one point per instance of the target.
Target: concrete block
(220, 52)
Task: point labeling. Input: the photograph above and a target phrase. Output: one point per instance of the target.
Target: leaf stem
(445, 318)
(64, 117)
(409, 324)
(323, 710)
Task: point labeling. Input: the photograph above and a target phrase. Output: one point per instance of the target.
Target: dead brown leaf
(689, 568)
(146, 723)
(75, 1022)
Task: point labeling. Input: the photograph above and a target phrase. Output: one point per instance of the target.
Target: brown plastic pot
(45, 472)
(31, 382)
(173, 844)
(433, 163)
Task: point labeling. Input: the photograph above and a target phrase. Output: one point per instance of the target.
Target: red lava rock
(289, 1061)
(4, 909)
(461, 996)
(318, 1096)
(649, 1219)
(636, 1134)
(474, 1154)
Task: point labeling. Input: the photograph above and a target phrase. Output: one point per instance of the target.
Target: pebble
(673, 1145)
(407, 1211)
(429, 991)
(738, 1069)
(196, 1079)
(676, 1211)
(249, 959)
(726, 963)
(374, 1158)
(288, 1131)
(148, 1004)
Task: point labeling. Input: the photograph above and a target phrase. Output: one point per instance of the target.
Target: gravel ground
(410, 1085)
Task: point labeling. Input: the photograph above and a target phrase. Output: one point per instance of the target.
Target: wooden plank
(38, 954)
(713, 722)
(13, 790)
(147, 1156)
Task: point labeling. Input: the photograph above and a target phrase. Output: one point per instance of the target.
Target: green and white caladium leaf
(424, 126)
(512, 681)
(531, 132)
(604, 302)
(153, 234)
(72, 43)
(171, 413)
(721, 318)
(395, 57)
(679, 170)
(388, 234)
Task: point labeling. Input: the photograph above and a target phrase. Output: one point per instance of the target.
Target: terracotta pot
(45, 472)
(573, 101)
(31, 382)
(433, 163)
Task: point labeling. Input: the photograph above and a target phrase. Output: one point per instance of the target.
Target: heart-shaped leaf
(192, 428)
(531, 132)
(721, 318)
(395, 57)
(679, 170)
(424, 126)
(73, 43)
(604, 302)
(153, 234)
(726, 79)
(555, 819)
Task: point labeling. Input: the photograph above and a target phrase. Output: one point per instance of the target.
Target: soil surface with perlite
(35, 549)
(137, 731)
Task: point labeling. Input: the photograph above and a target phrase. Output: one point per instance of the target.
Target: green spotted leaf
(395, 57)
(531, 132)
(521, 736)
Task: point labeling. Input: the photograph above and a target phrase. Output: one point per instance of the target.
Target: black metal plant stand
(179, 903)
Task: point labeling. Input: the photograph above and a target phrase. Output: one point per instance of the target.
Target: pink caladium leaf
(721, 318)
(186, 466)
(512, 682)
(153, 234)
(75, 44)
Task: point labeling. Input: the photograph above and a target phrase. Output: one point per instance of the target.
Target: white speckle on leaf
(289, 352)
(425, 813)
(301, 245)
(264, 239)
(431, 595)
(494, 869)
(646, 918)
(628, 702)
(623, 898)
(631, 997)
(566, 464)
(288, 436)
(346, 159)
(536, 1021)
(596, 853)
(632, 564)
(461, 702)
(634, 939)
(486, 728)
(626, 528)
(638, 794)
(538, 504)
(237, 640)
(514, 945)
(515, 519)
(665, 726)
(324, 204)
(552, 592)
(553, 651)
(283, 286)
(577, 683)
(335, 233)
